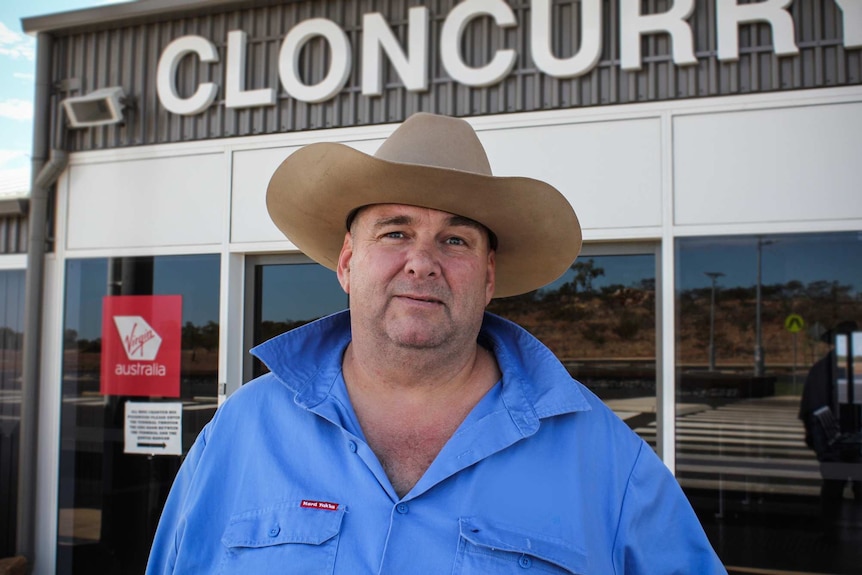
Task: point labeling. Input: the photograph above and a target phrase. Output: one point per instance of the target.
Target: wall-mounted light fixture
(98, 108)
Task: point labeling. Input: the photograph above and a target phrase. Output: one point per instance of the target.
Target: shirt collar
(307, 361)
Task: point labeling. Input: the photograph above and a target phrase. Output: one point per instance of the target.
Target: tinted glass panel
(599, 319)
(775, 485)
(111, 494)
(291, 295)
(11, 336)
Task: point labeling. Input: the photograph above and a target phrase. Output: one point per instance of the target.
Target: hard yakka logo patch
(325, 505)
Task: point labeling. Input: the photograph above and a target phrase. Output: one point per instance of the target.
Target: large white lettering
(633, 25)
(852, 10)
(450, 43)
(236, 96)
(410, 63)
(166, 76)
(729, 15)
(591, 40)
(377, 37)
(339, 60)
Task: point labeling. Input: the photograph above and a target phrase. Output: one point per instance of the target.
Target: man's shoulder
(261, 392)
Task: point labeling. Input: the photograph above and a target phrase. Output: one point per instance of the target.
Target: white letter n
(377, 37)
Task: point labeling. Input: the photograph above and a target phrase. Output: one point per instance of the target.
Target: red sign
(141, 345)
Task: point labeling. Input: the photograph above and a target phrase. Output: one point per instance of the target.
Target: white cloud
(16, 45)
(14, 173)
(16, 109)
(23, 76)
(14, 182)
(11, 156)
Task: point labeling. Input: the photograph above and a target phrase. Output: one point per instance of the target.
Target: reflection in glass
(757, 386)
(291, 295)
(599, 320)
(110, 501)
(11, 341)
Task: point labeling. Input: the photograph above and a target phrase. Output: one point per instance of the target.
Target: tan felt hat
(434, 162)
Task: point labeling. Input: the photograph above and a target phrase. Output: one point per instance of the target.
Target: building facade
(710, 148)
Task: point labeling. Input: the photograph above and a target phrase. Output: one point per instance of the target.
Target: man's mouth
(420, 298)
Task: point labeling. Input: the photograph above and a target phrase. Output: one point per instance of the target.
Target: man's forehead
(404, 213)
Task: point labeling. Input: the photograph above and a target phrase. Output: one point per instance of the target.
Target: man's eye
(396, 235)
(456, 242)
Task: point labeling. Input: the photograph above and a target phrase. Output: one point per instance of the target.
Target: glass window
(767, 445)
(111, 491)
(599, 319)
(11, 340)
(290, 295)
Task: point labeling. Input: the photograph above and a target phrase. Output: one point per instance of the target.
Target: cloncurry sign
(410, 60)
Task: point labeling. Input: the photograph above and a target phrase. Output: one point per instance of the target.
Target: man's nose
(423, 260)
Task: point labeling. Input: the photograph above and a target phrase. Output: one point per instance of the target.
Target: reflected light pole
(714, 277)
(758, 333)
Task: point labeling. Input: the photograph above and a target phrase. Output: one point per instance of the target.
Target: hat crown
(438, 142)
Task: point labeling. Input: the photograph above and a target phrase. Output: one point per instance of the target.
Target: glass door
(768, 440)
(11, 339)
(287, 292)
(140, 373)
(600, 320)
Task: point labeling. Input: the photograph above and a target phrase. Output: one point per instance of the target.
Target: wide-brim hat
(434, 162)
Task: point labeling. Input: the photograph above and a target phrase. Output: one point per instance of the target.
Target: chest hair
(407, 448)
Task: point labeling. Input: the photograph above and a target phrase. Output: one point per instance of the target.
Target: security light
(98, 108)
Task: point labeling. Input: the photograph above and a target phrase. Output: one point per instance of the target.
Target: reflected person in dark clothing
(818, 392)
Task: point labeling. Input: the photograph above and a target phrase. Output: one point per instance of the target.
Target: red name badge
(308, 504)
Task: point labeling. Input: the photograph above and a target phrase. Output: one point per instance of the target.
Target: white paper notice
(154, 428)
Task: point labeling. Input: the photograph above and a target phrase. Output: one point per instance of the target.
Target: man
(839, 463)
(415, 433)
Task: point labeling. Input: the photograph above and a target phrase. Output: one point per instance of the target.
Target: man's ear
(491, 279)
(342, 270)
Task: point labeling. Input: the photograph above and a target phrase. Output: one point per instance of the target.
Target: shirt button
(273, 531)
(525, 562)
(402, 508)
(351, 445)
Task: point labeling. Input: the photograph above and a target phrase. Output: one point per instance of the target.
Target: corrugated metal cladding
(13, 235)
(128, 56)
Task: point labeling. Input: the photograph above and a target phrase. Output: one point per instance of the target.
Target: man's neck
(377, 368)
(408, 409)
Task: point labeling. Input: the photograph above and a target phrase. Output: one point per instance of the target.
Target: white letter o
(339, 62)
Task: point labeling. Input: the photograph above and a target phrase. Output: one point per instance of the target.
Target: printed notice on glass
(154, 428)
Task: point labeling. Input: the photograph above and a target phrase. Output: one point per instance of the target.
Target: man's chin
(417, 337)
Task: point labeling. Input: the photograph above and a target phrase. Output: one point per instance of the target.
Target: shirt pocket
(286, 538)
(488, 548)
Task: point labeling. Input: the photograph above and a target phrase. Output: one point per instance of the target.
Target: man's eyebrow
(464, 221)
(470, 223)
(400, 220)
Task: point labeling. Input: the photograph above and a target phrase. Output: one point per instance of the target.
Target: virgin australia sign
(411, 64)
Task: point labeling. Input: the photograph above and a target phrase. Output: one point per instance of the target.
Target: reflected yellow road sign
(794, 323)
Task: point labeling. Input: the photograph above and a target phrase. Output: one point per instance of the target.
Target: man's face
(420, 278)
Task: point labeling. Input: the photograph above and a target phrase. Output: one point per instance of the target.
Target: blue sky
(17, 71)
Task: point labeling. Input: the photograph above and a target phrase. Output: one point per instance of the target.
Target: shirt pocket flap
(506, 538)
(282, 524)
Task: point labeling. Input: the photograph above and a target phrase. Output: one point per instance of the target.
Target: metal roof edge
(12, 207)
(122, 12)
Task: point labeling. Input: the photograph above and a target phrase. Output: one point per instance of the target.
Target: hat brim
(313, 191)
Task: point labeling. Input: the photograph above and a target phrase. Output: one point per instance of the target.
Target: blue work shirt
(540, 477)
